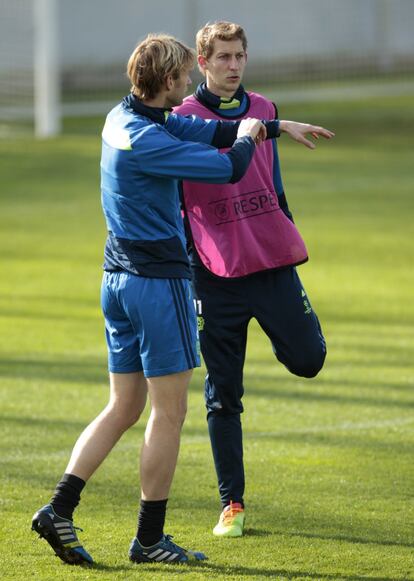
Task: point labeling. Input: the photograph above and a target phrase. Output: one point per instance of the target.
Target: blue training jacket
(145, 151)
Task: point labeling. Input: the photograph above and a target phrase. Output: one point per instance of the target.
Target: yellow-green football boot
(231, 522)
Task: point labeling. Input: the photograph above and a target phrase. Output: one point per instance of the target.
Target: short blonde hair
(220, 30)
(153, 59)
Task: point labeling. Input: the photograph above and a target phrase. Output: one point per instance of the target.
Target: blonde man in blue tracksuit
(150, 319)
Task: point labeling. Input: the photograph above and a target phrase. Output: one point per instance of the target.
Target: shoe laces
(68, 521)
(171, 543)
(231, 511)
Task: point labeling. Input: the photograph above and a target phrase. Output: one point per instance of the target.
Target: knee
(124, 416)
(179, 415)
(308, 366)
(173, 416)
(224, 397)
(307, 371)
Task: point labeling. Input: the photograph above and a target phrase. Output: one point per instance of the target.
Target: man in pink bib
(244, 248)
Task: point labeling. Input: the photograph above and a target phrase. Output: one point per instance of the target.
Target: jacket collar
(236, 106)
(156, 114)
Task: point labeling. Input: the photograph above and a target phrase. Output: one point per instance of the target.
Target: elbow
(237, 174)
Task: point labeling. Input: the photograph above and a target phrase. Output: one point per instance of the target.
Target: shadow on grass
(254, 572)
(59, 317)
(321, 437)
(250, 532)
(80, 301)
(335, 440)
(329, 397)
(350, 539)
(335, 369)
(225, 571)
(38, 307)
(91, 370)
(59, 425)
(94, 370)
(333, 318)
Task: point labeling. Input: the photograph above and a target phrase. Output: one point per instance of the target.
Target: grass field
(329, 461)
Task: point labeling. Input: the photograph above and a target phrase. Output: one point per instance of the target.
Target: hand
(253, 128)
(262, 135)
(298, 132)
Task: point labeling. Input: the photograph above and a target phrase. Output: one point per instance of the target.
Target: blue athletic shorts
(150, 324)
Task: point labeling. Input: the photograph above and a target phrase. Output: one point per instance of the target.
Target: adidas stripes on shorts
(150, 324)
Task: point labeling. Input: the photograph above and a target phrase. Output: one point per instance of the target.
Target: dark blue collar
(236, 106)
(156, 114)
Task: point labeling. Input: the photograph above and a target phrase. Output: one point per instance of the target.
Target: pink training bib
(239, 229)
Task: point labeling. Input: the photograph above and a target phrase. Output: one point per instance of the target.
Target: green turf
(328, 461)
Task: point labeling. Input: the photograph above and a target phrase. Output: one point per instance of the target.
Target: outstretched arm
(299, 131)
(158, 153)
(219, 134)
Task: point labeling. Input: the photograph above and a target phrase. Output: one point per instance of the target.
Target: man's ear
(202, 64)
(169, 82)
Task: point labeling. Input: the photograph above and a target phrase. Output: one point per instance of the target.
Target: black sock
(67, 495)
(151, 520)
